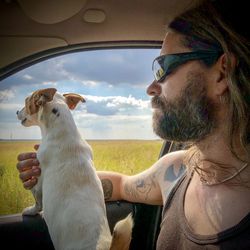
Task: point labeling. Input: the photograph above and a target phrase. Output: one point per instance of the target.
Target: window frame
(147, 217)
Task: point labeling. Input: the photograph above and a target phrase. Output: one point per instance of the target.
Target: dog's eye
(54, 110)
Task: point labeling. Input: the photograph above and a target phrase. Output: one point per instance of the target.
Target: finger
(28, 174)
(25, 156)
(36, 146)
(30, 183)
(26, 164)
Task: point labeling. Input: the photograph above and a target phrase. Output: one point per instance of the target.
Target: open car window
(115, 120)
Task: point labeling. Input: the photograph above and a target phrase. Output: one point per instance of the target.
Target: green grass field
(128, 157)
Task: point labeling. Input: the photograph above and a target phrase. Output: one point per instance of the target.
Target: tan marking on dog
(72, 99)
(39, 98)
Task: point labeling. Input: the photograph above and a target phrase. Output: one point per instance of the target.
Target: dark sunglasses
(164, 65)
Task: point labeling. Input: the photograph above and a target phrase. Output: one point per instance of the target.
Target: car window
(115, 120)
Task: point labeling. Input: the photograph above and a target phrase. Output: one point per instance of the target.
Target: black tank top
(176, 234)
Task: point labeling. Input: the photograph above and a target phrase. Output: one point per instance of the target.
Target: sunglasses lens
(158, 70)
(164, 65)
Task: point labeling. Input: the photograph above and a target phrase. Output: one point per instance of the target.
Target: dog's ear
(39, 98)
(43, 96)
(73, 99)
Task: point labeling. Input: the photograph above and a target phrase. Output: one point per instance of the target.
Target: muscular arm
(147, 187)
(139, 188)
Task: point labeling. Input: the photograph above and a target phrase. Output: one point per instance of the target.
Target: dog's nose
(17, 112)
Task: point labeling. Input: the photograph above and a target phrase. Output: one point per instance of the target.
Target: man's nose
(154, 89)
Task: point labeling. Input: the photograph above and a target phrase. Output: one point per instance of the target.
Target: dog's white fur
(68, 190)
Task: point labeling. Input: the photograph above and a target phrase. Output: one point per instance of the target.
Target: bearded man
(200, 97)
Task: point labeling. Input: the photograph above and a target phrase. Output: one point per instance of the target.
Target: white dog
(69, 190)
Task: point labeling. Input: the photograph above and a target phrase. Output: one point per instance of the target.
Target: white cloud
(10, 106)
(114, 101)
(88, 83)
(17, 131)
(115, 105)
(115, 127)
(27, 77)
(6, 94)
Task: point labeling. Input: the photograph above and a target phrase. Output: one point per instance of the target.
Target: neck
(59, 127)
(215, 160)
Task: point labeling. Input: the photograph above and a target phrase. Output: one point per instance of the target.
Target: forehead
(172, 44)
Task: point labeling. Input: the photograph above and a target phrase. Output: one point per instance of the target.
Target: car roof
(33, 27)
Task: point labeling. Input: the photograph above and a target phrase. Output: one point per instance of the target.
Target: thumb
(36, 146)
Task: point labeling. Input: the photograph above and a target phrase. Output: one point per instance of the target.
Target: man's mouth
(24, 120)
(156, 103)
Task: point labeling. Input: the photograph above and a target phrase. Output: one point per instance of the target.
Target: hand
(28, 167)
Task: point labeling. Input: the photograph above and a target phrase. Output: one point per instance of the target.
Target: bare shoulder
(170, 168)
(151, 185)
(174, 156)
(172, 162)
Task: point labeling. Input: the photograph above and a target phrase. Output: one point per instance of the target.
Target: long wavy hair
(205, 27)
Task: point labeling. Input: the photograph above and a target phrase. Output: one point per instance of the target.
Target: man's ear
(73, 99)
(225, 64)
(39, 98)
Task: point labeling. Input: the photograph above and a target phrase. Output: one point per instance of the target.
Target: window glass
(115, 120)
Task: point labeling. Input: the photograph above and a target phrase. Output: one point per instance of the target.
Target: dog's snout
(17, 112)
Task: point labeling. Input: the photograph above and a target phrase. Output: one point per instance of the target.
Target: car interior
(33, 31)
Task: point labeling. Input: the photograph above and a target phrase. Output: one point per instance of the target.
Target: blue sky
(113, 82)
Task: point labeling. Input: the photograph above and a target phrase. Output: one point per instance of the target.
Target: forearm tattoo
(141, 188)
(107, 188)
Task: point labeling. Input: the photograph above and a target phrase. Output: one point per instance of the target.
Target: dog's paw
(31, 211)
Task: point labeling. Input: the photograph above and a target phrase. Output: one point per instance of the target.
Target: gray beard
(189, 118)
